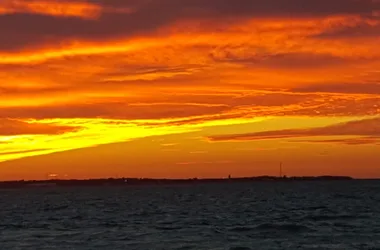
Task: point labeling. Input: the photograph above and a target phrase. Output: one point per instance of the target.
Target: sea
(231, 216)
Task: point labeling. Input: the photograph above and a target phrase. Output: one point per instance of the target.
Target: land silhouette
(147, 181)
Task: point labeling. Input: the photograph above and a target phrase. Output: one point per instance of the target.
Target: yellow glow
(97, 132)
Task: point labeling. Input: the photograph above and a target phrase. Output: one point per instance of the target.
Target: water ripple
(299, 215)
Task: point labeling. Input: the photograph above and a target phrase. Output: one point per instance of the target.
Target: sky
(190, 88)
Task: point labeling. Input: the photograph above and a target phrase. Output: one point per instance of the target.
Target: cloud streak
(349, 88)
(13, 127)
(83, 9)
(350, 141)
(368, 128)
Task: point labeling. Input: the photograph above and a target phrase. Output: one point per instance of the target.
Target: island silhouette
(149, 181)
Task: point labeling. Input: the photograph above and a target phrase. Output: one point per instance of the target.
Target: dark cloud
(286, 61)
(150, 15)
(114, 110)
(338, 106)
(13, 127)
(275, 99)
(347, 88)
(366, 127)
(197, 120)
(48, 29)
(165, 106)
(214, 106)
(350, 141)
(358, 31)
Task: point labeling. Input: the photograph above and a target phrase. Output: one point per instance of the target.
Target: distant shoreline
(148, 181)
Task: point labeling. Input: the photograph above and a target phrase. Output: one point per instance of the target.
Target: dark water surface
(298, 215)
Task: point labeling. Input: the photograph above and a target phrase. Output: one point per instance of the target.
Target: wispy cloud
(375, 140)
(13, 127)
(63, 8)
(368, 131)
(349, 88)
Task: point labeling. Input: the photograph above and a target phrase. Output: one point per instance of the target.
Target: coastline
(148, 181)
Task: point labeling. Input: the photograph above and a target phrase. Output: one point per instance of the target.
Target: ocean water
(261, 215)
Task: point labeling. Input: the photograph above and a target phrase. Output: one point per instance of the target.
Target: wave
(331, 217)
(284, 227)
(272, 226)
(168, 228)
(56, 208)
(242, 229)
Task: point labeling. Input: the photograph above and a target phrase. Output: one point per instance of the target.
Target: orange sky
(168, 88)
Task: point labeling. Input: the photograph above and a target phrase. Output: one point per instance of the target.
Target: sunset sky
(189, 88)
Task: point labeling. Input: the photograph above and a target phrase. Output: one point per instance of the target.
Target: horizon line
(191, 178)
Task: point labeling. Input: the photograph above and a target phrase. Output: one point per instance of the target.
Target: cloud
(195, 107)
(350, 141)
(252, 7)
(150, 16)
(115, 110)
(363, 29)
(51, 8)
(13, 127)
(287, 60)
(348, 88)
(360, 128)
(20, 152)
